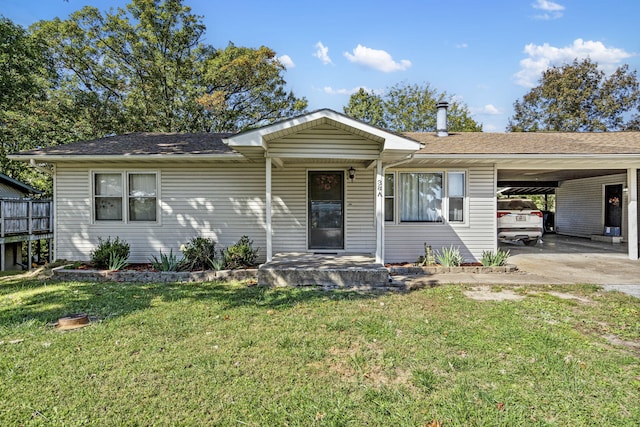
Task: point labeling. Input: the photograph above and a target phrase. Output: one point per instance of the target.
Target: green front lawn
(232, 354)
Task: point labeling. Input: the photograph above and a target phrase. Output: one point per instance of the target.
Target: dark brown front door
(326, 210)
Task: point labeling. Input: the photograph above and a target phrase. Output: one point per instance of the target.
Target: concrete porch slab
(326, 270)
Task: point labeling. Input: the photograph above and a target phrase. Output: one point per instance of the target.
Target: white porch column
(379, 213)
(632, 212)
(268, 209)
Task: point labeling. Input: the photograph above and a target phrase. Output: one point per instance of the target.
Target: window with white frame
(455, 195)
(389, 196)
(137, 191)
(421, 197)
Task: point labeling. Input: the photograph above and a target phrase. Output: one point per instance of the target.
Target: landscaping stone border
(152, 276)
(438, 269)
(249, 274)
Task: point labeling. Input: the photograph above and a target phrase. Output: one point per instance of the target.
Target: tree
(245, 89)
(26, 73)
(366, 106)
(579, 97)
(408, 108)
(143, 68)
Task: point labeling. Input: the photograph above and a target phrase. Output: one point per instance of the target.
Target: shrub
(449, 257)
(495, 259)
(240, 255)
(116, 251)
(198, 254)
(166, 262)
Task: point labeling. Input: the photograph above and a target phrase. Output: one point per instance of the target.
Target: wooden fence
(24, 221)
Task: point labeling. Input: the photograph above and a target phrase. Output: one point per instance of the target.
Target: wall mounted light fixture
(352, 174)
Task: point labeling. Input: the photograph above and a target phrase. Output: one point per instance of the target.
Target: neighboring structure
(22, 219)
(326, 183)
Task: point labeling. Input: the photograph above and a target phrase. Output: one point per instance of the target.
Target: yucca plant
(495, 259)
(166, 262)
(449, 257)
(117, 262)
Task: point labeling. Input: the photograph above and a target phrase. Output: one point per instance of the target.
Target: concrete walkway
(558, 260)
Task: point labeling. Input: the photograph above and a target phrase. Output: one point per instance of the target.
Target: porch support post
(632, 212)
(379, 212)
(268, 209)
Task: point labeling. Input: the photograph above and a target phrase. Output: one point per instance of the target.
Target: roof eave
(52, 158)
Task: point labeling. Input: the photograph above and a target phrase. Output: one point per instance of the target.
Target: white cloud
(462, 46)
(376, 59)
(286, 61)
(545, 56)
(343, 91)
(488, 109)
(322, 53)
(552, 10)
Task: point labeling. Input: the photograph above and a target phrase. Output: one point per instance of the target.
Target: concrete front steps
(329, 271)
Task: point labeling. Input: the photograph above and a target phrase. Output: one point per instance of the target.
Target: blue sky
(486, 53)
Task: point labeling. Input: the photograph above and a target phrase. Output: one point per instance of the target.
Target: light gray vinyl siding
(322, 142)
(221, 201)
(289, 209)
(405, 242)
(289, 205)
(580, 205)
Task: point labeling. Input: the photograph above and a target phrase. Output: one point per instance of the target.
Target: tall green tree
(366, 106)
(26, 75)
(245, 89)
(409, 108)
(144, 67)
(580, 97)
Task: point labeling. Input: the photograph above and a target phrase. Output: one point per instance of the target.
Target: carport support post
(632, 213)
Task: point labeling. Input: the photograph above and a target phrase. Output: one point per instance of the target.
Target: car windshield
(516, 205)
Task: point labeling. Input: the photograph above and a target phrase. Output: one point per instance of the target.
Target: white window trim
(125, 195)
(445, 199)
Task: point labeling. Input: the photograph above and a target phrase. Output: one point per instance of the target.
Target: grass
(230, 354)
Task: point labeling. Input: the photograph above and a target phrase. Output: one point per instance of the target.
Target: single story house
(327, 183)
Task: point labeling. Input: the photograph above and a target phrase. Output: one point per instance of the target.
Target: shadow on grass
(24, 299)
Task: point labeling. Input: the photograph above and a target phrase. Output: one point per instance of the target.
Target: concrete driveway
(561, 260)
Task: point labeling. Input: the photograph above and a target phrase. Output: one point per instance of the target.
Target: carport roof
(529, 143)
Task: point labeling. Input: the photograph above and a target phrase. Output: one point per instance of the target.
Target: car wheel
(530, 242)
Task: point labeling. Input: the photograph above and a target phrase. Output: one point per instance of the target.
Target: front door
(326, 210)
(613, 205)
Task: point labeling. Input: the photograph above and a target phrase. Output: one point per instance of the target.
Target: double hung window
(431, 197)
(126, 196)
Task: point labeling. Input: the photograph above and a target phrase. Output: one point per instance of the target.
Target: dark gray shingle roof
(141, 144)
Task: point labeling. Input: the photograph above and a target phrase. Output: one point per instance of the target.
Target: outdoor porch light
(352, 174)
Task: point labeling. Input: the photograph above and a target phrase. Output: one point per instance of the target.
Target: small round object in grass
(72, 321)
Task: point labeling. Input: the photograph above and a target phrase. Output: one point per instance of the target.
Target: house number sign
(379, 188)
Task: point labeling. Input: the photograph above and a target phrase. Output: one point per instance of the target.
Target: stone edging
(249, 274)
(438, 269)
(152, 276)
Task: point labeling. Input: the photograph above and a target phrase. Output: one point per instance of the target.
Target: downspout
(42, 169)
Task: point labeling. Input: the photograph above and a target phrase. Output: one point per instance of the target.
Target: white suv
(519, 219)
